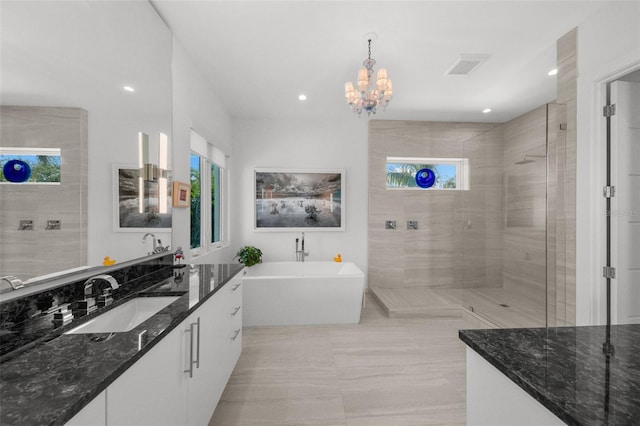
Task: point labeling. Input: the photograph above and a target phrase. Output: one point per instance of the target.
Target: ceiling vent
(466, 64)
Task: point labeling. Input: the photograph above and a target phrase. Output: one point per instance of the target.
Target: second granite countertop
(567, 371)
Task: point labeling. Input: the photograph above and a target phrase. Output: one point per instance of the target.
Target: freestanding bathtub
(297, 293)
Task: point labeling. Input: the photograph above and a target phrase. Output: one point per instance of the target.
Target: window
(44, 164)
(196, 200)
(449, 173)
(207, 195)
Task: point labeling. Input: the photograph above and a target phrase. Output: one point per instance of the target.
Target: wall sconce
(150, 172)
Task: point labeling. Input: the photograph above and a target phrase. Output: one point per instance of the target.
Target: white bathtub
(296, 293)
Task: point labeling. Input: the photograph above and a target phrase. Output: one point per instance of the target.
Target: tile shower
(485, 248)
(506, 248)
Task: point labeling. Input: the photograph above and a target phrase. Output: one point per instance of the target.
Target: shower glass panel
(479, 265)
(503, 258)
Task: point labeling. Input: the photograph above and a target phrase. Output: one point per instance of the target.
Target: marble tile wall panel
(435, 255)
(31, 253)
(566, 179)
(555, 116)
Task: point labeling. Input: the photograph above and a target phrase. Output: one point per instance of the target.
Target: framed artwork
(134, 212)
(290, 200)
(181, 194)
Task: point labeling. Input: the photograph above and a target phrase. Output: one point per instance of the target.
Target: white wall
(195, 106)
(608, 46)
(299, 144)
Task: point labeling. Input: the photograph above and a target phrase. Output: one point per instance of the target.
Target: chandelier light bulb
(369, 96)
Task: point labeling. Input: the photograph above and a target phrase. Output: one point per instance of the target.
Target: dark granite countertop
(567, 371)
(52, 380)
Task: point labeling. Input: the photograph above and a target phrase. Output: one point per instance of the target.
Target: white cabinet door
(94, 414)
(208, 381)
(234, 338)
(493, 399)
(153, 390)
(220, 344)
(156, 390)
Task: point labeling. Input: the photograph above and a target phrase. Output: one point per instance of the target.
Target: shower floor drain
(504, 305)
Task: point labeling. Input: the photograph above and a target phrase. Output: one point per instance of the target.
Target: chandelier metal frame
(369, 96)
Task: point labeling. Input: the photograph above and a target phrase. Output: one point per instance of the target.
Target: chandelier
(369, 95)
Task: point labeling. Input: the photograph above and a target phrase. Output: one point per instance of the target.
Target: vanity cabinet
(93, 414)
(153, 391)
(219, 347)
(493, 399)
(181, 379)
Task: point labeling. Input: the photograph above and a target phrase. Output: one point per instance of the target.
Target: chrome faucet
(88, 285)
(105, 298)
(301, 254)
(144, 240)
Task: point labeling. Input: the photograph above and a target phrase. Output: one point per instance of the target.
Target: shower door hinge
(608, 191)
(609, 272)
(609, 110)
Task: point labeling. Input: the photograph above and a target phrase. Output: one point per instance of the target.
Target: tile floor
(383, 371)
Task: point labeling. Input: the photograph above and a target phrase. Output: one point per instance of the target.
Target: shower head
(529, 159)
(524, 161)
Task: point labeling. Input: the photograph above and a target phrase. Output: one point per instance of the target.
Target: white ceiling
(259, 55)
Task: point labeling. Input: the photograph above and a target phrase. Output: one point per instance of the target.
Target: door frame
(589, 272)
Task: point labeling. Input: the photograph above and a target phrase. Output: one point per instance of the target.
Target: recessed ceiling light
(302, 97)
(486, 110)
(128, 89)
(553, 72)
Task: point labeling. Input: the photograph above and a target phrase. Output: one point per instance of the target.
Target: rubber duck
(337, 258)
(107, 261)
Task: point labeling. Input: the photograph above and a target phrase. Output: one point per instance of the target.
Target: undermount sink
(126, 316)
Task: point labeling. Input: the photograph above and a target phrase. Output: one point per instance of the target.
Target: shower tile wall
(458, 243)
(27, 254)
(525, 213)
(565, 151)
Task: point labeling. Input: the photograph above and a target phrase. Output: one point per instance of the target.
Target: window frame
(206, 209)
(462, 171)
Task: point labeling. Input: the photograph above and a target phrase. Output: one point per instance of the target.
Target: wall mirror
(104, 67)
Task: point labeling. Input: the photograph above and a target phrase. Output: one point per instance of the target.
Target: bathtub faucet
(301, 254)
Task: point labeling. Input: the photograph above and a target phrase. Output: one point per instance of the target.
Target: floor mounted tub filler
(298, 293)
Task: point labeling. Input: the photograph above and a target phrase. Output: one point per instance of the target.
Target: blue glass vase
(425, 178)
(16, 171)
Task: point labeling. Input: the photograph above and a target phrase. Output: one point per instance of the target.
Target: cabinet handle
(191, 360)
(235, 311)
(198, 345)
(235, 335)
(235, 287)
(190, 331)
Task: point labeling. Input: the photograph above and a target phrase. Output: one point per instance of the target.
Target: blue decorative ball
(425, 178)
(16, 171)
